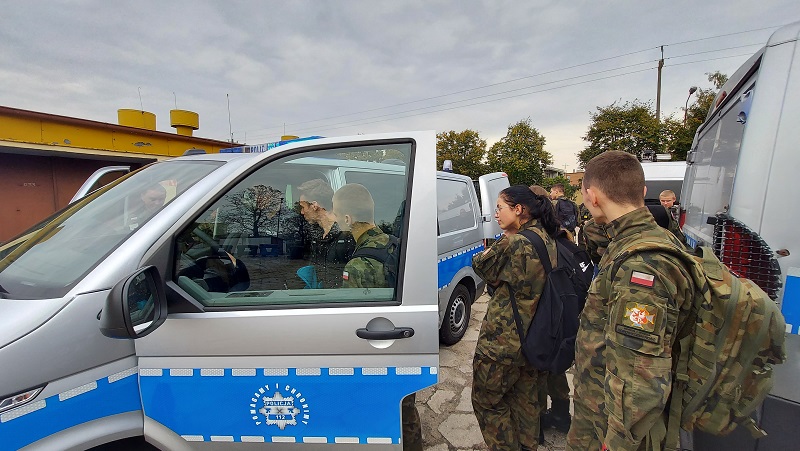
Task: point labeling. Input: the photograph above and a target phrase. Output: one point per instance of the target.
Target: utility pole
(658, 92)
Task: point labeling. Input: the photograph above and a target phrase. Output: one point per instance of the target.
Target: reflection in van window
(305, 229)
(454, 206)
(56, 257)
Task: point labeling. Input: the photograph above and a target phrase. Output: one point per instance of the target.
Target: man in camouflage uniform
(354, 209)
(596, 240)
(635, 308)
(584, 215)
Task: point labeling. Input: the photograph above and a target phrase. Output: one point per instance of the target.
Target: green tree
(631, 127)
(569, 190)
(465, 149)
(520, 154)
(681, 139)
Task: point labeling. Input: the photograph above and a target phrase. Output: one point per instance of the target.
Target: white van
(739, 197)
(187, 323)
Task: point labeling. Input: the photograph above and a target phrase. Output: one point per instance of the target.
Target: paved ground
(448, 423)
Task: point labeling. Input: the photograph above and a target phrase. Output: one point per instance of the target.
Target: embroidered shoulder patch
(639, 316)
(643, 279)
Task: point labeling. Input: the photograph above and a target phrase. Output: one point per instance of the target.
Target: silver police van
(737, 198)
(173, 304)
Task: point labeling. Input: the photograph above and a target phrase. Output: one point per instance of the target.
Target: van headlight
(19, 399)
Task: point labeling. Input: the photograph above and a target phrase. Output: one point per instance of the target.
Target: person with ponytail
(505, 388)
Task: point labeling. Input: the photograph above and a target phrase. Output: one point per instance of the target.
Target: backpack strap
(376, 253)
(540, 248)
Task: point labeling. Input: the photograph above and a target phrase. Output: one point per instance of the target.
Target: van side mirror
(135, 306)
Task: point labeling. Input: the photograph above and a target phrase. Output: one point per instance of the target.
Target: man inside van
(354, 210)
(636, 306)
(330, 247)
(667, 199)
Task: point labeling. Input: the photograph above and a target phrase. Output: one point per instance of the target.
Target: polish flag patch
(643, 279)
(345, 276)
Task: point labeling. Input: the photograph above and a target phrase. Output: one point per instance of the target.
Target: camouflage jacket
(363, 271)
(510, 263)
(596, 240)
(624, 344)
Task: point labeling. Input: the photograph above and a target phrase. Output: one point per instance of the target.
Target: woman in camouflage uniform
(505, 393)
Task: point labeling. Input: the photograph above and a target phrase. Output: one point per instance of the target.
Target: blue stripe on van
(286, 405)
(450, 265)
(790, 306)
(40, 418)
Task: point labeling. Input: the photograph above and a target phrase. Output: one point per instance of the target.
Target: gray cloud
(369, 66)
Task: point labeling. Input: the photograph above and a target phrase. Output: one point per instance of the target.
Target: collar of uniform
(533, 222)
(630, 223)
(374, 231)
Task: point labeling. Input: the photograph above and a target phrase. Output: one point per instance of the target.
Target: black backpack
(567, 213)
(387, 255)
(549, 343)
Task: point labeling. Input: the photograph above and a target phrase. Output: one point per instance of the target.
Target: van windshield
(47, 263)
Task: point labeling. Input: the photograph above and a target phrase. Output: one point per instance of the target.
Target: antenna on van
(230, 127)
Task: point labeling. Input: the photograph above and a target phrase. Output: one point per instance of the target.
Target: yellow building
(44, 158)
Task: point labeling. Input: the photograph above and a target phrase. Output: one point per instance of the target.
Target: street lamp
(686, 107)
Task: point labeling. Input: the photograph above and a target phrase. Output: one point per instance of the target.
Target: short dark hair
(319, 191)
(558, 186)
(355, 200)
(618, 175)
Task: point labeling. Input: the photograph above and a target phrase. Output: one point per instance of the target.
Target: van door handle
(395, 334)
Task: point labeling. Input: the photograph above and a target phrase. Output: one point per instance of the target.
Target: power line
(516, 80)
(351, 123)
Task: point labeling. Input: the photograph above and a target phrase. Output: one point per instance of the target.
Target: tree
(695, 116)
(569, 190)
(631, 127)
(520, 154)
(465, 149)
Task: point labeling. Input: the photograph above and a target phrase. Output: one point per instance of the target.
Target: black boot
(557, 416)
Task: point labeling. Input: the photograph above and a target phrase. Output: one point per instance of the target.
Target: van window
(281, 237)
(454, 206)
(53, 259)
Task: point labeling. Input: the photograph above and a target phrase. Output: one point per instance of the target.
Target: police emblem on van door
(274, 405)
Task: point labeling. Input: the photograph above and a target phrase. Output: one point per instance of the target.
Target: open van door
(253, 355)
(490, 186)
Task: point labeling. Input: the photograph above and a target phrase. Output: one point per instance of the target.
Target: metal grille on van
(746, 254)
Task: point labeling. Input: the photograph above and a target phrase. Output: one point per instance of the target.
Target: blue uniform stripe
(450, 265)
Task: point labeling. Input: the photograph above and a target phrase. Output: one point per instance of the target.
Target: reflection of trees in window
(375, 155)
(253, 210)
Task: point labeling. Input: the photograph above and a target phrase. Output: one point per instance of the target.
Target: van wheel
(456, 317)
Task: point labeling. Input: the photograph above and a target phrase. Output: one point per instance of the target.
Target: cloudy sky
(336, 68)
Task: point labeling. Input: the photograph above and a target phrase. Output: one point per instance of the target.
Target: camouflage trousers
(587, 424)
(506, 402)
(412, 427)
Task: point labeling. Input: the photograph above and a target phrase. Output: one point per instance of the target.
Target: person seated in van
(667, 199)
(150, 201)
(354, 209)
(330, 247)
